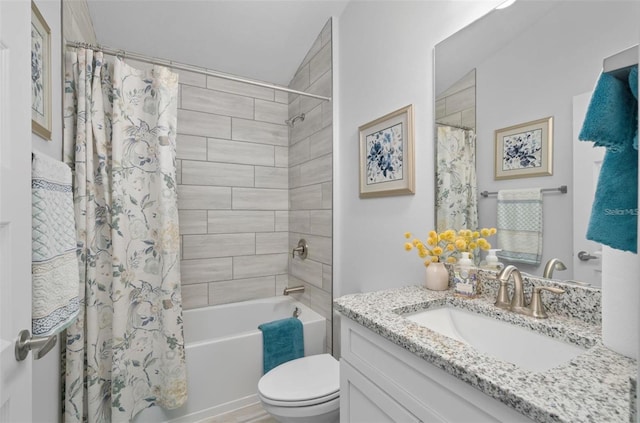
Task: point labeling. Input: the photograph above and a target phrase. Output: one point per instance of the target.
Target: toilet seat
(297, 404)
(319, 382)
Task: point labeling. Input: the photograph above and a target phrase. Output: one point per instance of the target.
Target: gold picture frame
(524, 150)
(40, 74)
(387, 155)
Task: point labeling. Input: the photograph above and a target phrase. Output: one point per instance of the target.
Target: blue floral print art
(384, 155)
(522, 150)
(37, 71)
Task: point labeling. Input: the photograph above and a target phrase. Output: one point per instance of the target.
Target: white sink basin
(522, 347)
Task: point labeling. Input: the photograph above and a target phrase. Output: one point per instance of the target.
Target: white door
(15, 206)
(587, 160)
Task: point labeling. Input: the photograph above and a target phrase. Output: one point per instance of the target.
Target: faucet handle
(536, 307)
(302, 249)
(502, 300)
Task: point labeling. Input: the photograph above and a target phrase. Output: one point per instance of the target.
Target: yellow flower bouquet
(444, 246)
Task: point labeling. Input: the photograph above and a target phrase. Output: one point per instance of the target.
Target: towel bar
(562, 189)
(39, 345)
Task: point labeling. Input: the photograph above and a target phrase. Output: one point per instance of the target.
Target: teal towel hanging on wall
(633, 85)
(614, 215)
(612, 122)
(612, 116)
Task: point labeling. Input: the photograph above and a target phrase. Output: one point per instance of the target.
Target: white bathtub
(224, 355)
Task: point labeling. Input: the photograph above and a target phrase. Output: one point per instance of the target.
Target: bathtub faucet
(293, 290)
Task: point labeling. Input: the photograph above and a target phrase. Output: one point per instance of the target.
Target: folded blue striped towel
(54, 263)
(519, 224)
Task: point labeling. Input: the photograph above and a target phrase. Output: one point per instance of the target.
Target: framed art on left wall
(40, 74)
(386, 155)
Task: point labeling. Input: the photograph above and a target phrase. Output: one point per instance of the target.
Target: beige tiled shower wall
(249, 187)
(311, 179)
(456, 106)
(233, 198)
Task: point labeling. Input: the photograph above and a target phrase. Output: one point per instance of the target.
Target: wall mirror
(532, 60)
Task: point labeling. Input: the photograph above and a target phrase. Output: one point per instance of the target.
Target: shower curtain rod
(190, 68)
(456, 126)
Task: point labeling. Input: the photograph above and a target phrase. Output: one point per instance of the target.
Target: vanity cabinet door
(361, 401)
(407, 388)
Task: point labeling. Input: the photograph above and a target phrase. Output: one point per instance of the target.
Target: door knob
(584, 256)
(40, 345)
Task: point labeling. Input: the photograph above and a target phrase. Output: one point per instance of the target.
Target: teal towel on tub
(282, 341)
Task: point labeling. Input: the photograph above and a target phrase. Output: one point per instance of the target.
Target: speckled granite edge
(593, 387)
(633, 395)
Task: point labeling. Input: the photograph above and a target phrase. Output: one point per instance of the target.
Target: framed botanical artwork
(386, 155)
(40, 74)
(525, 150)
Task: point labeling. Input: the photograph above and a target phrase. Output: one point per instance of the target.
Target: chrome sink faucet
(517, 303)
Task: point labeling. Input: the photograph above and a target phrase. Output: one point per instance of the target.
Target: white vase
(436, 277)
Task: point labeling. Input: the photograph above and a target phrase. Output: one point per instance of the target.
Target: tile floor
(253, 413)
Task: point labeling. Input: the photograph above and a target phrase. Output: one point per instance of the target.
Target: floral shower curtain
(456, 190)
(126, 351)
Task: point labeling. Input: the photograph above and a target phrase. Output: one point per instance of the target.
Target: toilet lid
(308, 380)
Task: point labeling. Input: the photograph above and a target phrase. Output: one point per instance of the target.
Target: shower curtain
(456, 190)
(126, 351)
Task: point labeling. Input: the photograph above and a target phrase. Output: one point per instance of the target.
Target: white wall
(46, 371)
(385, 62)
(77, 22)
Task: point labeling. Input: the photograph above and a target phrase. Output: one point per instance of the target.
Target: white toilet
(305, 390)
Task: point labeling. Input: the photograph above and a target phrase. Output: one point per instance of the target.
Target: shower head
(291, 122)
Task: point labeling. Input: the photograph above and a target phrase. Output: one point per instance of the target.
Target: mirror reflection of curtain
(456, 190)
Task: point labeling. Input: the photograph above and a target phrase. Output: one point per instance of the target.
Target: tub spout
(293, 290)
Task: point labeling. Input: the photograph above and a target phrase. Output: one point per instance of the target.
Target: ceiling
(458, 54)
(259, 39)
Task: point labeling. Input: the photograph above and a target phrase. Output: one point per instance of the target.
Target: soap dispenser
(465, 277)
(491, 262)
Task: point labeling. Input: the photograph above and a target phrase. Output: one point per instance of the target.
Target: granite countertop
(593, 387)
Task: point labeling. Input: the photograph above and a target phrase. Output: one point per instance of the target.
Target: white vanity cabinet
(382, 382)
